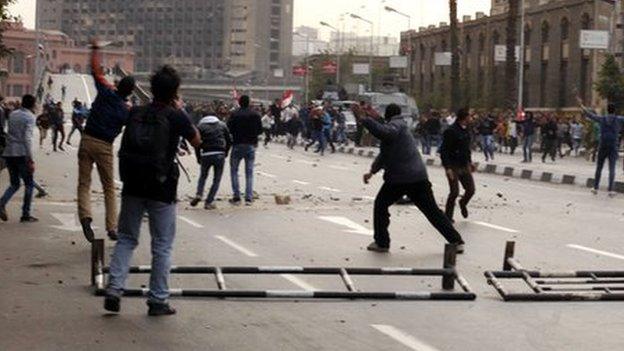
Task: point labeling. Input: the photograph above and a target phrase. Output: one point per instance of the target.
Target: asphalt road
(46, 302)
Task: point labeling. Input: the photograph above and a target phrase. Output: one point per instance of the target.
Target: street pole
(521, 60)
(409, 40)
(307, 65)
(338, 34)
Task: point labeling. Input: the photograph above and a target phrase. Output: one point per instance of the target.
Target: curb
(505, 171)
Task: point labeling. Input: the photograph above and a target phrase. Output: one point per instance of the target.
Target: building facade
(57, 53)
(193, 35)
(349, 41)
(556, 69)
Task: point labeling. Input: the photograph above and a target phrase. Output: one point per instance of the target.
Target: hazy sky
(311, 12)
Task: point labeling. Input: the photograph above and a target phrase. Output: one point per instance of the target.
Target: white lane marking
(68, 222)
(268, 175)
(52, 203)
(306, 162)
(278, 157)
(191, 222)
(333, 190)
(494, 226)
(300, 182)
(236, 246)
(353, 227)
(599, 252)
(340, 168)
(368, 197)
(298, 282)
(403, 338)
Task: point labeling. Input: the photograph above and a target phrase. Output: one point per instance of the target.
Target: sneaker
(612, 194)
(112, 235)
(3, 214)
(160, 309)
(459, 248)
(86, 229)
(41, 194)
(376, 248)
(28, 219)
(195, 201)
(248, 203)
(208, 206)
(112, 303)
(235, 201)
(464, 209)
(593, 191)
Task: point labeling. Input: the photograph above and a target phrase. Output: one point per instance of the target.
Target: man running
(404, 174)
(457, 161)
(610, 128)
(109, 114)
(18, 155)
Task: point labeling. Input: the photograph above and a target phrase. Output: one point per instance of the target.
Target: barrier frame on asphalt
(556, 286)
(448, 274)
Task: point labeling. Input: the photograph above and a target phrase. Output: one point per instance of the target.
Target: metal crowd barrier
(448, 273)
(556, 286)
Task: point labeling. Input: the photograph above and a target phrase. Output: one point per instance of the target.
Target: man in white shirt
(19, 157)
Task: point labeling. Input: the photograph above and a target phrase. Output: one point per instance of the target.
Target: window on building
(481, 42)
(565, 29)
(17, 61)
(586, 21)
(545, 32)
(468, 44)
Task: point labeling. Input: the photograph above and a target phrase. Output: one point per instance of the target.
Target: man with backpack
(149, 172)
(245, 126)
(109, 113)
(214, 149)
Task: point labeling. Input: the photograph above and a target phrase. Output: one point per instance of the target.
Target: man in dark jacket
(216, 144)
(404, 174)
(549, 135)
(109, 113)
(486, 130)
(457, 160)
(245, 126)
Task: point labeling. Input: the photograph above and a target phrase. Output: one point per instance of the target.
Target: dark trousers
(463, 176)
(75, 127)
(217, 162)
(18, 170)
(610, 152)
(359, 133)
(56, 130)
(422, 196)
(550, 149)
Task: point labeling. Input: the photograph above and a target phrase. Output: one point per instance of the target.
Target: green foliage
(4, 16)
(610, 83)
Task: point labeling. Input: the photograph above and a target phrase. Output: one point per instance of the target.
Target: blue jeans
(213, 161)
(488, 146)
(248, 153)
(18, 170)
(527, 147)
(609, 151)
(341, 135)
(162, 226)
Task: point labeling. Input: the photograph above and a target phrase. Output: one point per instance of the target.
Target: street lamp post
(370, 58)
(307, 66)
(337, 50)
(521, 60)
(409, 56)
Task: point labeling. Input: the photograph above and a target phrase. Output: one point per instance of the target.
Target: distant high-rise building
(252, 35)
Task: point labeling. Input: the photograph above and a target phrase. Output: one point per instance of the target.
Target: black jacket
(398, 156)
(215, 136)
(549, 130)
(245, 126)
(455, 149)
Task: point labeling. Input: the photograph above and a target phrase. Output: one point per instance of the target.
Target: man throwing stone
(404, 174)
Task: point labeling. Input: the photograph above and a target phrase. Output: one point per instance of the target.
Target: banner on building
(443, 58)
(594, 39)
(299, 71)
(398, 61)
(500, 53)
(361, 68)
(278, 73)
(330, 67)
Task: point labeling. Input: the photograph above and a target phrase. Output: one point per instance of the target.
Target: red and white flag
(287, 98)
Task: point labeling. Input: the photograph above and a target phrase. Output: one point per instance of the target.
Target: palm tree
(455, 76)
(510, 64)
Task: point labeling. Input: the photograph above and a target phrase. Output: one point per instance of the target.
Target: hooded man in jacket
(404, 174)
(214, 149)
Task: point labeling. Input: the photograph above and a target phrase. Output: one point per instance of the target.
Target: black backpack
(144, 153)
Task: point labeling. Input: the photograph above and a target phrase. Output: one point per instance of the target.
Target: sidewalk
(569, 170)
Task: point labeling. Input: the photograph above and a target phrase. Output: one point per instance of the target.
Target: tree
(455, 76)
(510, 62)
(610, 83)
(4, 16)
